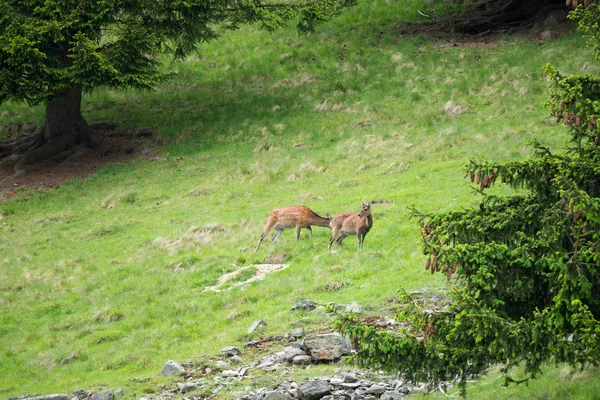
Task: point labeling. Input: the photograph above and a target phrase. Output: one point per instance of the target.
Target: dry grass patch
(194, 236)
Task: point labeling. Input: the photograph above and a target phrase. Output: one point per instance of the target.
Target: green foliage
(49, 46)
(526, 287)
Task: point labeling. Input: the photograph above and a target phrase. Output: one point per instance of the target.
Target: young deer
(293, 217)
(350, 224)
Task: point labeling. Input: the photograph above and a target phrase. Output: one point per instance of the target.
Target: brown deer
(350, 224)
(293, 217)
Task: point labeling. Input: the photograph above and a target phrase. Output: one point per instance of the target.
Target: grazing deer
(293, 217)
(350, 224)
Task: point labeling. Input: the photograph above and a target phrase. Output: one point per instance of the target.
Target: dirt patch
(262, 270)
(116, 146)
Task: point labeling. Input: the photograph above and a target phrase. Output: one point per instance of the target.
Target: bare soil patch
(116, 146)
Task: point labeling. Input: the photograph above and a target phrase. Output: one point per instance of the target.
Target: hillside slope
(103, 280)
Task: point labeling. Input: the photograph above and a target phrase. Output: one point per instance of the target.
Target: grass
(102, 280)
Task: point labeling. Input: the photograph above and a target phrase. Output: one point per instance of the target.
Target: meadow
(103, 279)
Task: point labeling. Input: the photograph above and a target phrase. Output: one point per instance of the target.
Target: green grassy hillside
(103, 280)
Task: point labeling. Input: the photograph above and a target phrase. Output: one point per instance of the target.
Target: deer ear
(329, 216)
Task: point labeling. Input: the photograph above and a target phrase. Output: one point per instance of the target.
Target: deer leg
(309, 229)
(277, 234)
(262, 236)
(333, 235)
(340, 239)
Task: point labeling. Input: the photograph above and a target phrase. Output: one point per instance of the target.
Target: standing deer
(290, 217)
(350, 224)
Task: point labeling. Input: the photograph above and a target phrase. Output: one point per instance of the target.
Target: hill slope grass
(103, 280)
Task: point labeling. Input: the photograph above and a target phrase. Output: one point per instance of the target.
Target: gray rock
(375, 389)
(172, 368)
(230, 351)
(318, 309)
(301, 360)
(350, 385)
(314, 390)
(350, 377)
(391, 396)
(307, 305)
(188, 387)
(222, 364)
(297, 332)
(353, 307)
(57, 396)
(277, 396)
(291, 351)
(238, 360)
(230, 373)
(21, 397)
(119, 392)
(256, 325)
(327, 347)
(104, 395)
(80, 394)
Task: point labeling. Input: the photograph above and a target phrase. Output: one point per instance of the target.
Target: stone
(297, 332)
(238, 360)
(80, 394)
(230, 351)
(353, 307)
(350, 377)
(290, 352)
(256, 325)
(188, 387)
(222, 364)
(57, 396)
(391, 396)
(302, 360)
(327, 347)
(375, 389)
(277, 396)
(230, 373)
(314, 390)
(104, 395)
(119, 392)
(172, 368)
(350, 385)
(307, 305)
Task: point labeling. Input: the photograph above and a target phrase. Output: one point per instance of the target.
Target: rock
(375, 389)
(104, 395)
(256, 325)
(230, 351)
(318, 309)
(291, 351)
(238, 360)
(327, 347)
(314, 390)
(297, 333)
(58, 396)
(391, 396)
(302, 360)
(230, 373)
(350, 377)
(119, 392)
(277, 396)
(172, 368)
(80, 394)
(188, 387)
(222, 364)
(307, 305)
(353, 307)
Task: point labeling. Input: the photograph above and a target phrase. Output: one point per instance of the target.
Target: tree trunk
(64, 128)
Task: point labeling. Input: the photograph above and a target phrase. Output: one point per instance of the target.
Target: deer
(292, 217)
(351, 224)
